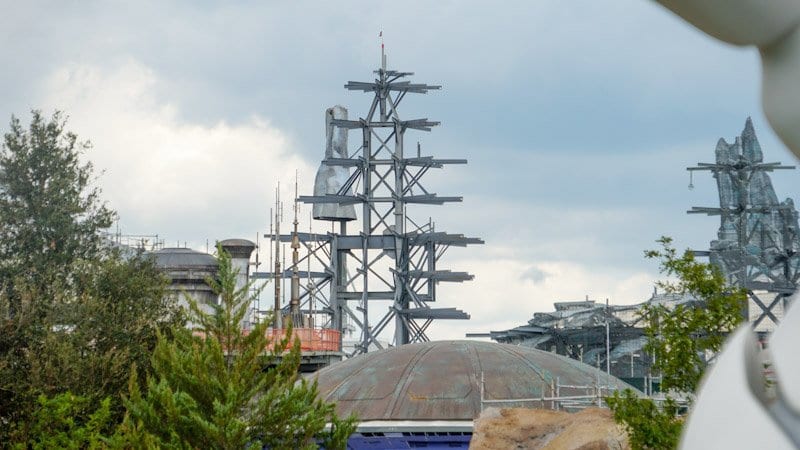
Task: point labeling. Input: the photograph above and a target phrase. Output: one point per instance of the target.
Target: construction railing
(311, 339)
(579, 397)
(589, 395)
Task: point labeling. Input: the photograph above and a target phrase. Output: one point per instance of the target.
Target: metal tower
(393, 256)
(758, 240)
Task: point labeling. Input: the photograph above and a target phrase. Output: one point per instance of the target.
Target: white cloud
(191, 181)
(186, 181)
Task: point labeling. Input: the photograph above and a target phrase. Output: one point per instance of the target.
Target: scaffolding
(393, 258)
(758, 243)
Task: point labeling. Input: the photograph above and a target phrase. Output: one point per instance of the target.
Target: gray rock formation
(331, 178)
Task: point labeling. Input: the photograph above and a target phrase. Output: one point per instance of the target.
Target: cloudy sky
(578, 120)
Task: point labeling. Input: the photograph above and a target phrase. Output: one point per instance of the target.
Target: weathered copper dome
(441, 380)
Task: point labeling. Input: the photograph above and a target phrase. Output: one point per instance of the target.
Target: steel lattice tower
(384, 180)
(757, 249)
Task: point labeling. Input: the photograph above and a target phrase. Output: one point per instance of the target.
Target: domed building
(433, 391)
(187, 271)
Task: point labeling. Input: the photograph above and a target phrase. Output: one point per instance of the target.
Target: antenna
(277, 276)
(271, 233)
(383, 53)
(283, 260)
(255, 289)
(258, 250)
(294, 298)
(296, 204)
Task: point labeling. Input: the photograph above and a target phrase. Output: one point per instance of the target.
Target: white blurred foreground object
(774, 27)
(750, 398)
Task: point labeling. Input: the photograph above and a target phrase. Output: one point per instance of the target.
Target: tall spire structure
(758, 242)
(394, 259)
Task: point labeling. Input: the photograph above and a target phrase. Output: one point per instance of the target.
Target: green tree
(74, 315)
(89, 348)
(680, 339)
(65, 421)
(50, 212)
(648, 426)
(210, 388)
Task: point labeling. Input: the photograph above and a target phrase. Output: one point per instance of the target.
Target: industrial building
(608, 337)
(187, 271)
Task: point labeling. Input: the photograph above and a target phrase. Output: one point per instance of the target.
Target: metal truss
(394, 258)
(776, 274)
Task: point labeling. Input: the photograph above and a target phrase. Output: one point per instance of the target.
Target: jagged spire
(724, 152)
(748, 126)
(751, 149)
(756, 230)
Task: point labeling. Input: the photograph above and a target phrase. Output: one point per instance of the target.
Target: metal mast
(294, 300)
(384, 181)
(278, 319)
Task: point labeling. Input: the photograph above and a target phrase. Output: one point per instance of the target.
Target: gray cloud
(534, 275)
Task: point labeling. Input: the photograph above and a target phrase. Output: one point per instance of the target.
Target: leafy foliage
(64, 421)
(210, 389)
(50, 213)
(74, 315)
(648, 426)
(89, 347)
(680, 338)
(77, 319)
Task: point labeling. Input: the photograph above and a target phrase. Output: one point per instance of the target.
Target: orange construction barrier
(311, 339)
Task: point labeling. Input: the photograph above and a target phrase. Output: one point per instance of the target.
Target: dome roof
(441, 380)
(237, 243)
(175, 258)
(238, 248)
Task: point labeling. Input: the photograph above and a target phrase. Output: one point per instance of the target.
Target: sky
(578, 120)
